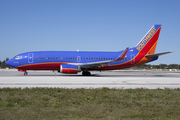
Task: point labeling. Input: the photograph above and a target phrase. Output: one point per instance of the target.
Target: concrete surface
(122, 79)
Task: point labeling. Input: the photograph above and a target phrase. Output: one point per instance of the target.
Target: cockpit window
(18, 57)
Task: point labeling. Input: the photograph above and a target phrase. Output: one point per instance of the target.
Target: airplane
(72, 62)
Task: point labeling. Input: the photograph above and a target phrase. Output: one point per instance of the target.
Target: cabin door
(78, 59)
(30, 58)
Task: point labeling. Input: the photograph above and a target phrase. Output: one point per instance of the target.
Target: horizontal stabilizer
(158, 54)
(122, 56)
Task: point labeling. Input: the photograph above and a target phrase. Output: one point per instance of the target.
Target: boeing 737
(69, 62)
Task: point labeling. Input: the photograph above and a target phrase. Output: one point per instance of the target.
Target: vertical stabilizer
(148, 43)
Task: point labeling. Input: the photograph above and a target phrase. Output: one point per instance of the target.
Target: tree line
(3, 63)
(160, 66)
(144, 66)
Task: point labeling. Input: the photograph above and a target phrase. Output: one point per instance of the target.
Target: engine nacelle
(69, 69)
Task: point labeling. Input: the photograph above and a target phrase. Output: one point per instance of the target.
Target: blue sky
(87, 25)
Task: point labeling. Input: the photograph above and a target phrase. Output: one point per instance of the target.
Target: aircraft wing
(158, 54)
(100, 63)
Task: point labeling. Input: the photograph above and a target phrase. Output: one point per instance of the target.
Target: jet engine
(69, 69)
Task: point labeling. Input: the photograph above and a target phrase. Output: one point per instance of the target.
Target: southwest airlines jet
(73, 62)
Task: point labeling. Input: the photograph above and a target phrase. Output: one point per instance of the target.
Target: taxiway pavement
(110, 79)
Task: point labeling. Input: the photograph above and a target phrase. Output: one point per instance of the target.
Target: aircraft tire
(84, 73)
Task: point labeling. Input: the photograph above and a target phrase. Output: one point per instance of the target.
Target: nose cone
(10, 63)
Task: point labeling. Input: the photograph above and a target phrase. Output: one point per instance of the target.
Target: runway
(122, 79)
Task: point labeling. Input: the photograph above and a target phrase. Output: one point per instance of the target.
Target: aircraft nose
(8, 62)
(12, 62)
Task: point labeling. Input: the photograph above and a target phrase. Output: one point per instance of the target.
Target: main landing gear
(86, 73)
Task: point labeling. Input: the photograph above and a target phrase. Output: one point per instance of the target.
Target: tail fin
(148, 43)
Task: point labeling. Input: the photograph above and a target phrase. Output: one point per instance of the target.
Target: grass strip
(102, 103)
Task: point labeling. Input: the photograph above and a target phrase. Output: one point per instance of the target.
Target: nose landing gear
(25, 73)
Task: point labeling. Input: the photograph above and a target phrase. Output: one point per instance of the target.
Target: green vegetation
(3, 63)
(160, 66)
(105, 103)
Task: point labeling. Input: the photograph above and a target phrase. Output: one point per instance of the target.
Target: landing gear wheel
(86, 73)
(25, 73)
